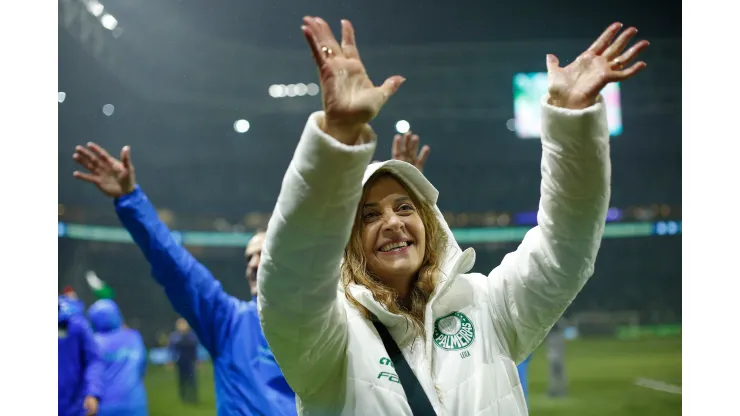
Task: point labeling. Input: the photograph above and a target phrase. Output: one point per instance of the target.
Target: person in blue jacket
(78, 306)
(80, 367)
(247, 379)
(124, 358)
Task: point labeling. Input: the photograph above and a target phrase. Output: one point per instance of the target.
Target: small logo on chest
(453, 332)
(386, 375)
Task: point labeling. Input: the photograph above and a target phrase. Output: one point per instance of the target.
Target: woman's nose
(393, 222)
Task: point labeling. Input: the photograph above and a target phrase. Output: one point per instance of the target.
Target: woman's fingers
(325, 40)
(390, 86)
(629, 72)
(315, 50)
(632, 52)
(618, 45)
(605, 39)
(349, 47)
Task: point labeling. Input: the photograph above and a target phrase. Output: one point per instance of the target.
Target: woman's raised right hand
(349, 97)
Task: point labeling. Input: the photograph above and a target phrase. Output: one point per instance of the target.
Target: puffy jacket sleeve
(302, 317)
(534, 285)
(94, 365)
(193, 291)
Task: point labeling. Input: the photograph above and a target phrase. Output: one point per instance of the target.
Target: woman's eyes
(403, 208)
(369, 216)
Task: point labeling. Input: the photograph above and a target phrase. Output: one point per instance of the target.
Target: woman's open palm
(578, 85)
(348, 95)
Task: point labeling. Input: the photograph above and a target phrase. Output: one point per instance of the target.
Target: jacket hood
(69, 307)
(105, 316)
(65, 307)
(422, 189)
(454, 262)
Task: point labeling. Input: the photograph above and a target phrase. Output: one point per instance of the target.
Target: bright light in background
(106, 19)
(61, 96)
(301, 89)
(241, 126)
(402, 126)
(109, 22)
(108, 109)
(528, 91)
(276, 90)
(95, 8)
(292, 90)
(312, 89)
(511, 124)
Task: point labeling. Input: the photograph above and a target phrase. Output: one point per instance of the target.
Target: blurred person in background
(183, 347)
(408, 293)
(71, 295)
(163, 339)
(124, 359)
(557, 380)
(247, 378)
(80, 366)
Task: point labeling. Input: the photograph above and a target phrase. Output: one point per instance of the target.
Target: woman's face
(393, 236)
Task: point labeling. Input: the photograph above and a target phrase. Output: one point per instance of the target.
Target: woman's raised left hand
(578, 85)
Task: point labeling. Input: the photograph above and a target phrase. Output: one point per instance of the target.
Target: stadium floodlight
(241, 126)
(293, 90)
(403, 126)
(95, 8)
(108, 109)
(108, 21)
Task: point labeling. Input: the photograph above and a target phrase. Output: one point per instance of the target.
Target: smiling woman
(395, 238)
(454, 337)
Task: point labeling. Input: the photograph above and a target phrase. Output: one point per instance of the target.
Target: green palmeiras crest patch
(453, 332)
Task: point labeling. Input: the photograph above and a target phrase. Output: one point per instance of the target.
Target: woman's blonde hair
(354, 267)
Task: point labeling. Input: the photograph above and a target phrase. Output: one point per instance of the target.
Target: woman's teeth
(394, 246)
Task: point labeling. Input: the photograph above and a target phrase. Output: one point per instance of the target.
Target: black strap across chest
(417, 398)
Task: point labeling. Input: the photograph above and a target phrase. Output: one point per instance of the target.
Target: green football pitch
(603, 380)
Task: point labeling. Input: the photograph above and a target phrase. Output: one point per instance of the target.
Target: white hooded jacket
(478, 327)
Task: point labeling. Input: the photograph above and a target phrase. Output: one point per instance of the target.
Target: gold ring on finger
(327, 51)
(618, 63)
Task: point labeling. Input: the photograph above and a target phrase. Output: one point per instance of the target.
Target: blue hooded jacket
(80, 366)
(247, 378)
(72, 306)
(124, 357)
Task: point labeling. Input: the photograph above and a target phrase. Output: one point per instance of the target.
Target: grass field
(601, 375)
